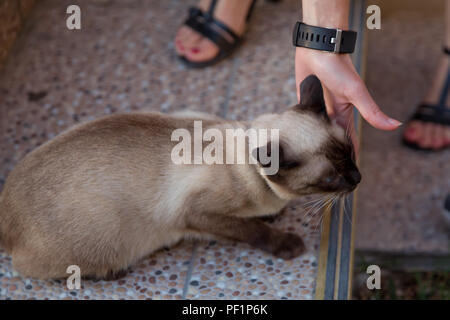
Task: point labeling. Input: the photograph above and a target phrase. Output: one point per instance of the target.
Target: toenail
(195, 50)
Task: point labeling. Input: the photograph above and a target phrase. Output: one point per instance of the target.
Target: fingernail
(195, 50)
(394, 122)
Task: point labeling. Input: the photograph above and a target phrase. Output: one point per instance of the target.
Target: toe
(185, 39)
(179, 48)
(180, 38)
(204, 50)
(192, 39)
(413, 131)
(447, 135)
(438, 136)
(426, 137)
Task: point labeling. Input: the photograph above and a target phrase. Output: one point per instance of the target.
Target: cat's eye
(289, 164)
(329, 179)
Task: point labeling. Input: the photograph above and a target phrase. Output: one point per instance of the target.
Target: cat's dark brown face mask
(343, 176)
(325, 161)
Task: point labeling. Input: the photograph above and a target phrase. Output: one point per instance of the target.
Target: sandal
(439, 113)
(446, 212)
(209, 27)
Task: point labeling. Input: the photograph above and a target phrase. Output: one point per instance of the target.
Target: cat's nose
(354, 177)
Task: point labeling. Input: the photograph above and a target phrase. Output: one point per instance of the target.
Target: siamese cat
(105, 194)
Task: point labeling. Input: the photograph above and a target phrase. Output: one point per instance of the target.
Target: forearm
(326, 13)
(343, 88)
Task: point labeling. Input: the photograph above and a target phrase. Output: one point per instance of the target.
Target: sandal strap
(208, 16)
(445, 90)
(447, 203)
(207, 26)
(432, 113)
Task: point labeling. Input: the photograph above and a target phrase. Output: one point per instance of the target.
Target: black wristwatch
(318, 38)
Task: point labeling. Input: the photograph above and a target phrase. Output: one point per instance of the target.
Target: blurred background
(400, 223)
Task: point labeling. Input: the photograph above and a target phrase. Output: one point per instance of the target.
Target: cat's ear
(265, 157)
(311, 96)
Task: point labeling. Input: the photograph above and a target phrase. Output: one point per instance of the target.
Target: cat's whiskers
(313, 201)
(311, 205)
(331, 203)
(325, 202)
(318, 203)
(344, 198)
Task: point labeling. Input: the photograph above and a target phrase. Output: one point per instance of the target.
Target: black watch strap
(332, 40)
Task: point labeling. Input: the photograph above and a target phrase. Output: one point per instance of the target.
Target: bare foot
(430, 135)
(195, 47)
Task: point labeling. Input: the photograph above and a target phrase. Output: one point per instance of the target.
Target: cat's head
(315, 154)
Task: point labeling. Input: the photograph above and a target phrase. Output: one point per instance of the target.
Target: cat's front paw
(289, 246)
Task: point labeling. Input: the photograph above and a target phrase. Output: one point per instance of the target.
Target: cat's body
(105, 194)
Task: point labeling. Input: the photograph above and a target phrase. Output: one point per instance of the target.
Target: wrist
(326, 14)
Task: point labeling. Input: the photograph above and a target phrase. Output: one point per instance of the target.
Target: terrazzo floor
(123, 60)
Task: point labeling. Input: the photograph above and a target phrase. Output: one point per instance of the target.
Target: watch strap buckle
(337, 40)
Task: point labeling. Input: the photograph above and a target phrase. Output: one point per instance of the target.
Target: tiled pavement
(122, 61)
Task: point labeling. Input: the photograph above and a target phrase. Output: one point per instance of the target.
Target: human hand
(343, 88)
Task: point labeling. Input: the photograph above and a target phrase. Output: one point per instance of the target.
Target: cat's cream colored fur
(105, 194)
